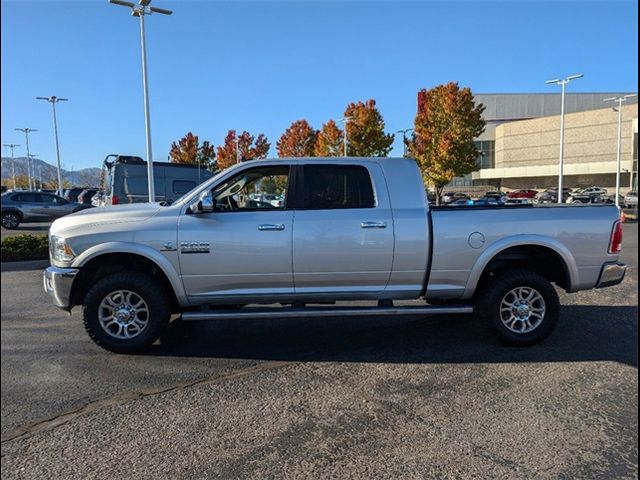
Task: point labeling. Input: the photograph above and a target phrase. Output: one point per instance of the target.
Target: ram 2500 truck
(348, 229)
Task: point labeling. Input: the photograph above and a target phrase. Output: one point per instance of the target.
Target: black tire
(11, 220)
(143, 286)
(495, 290)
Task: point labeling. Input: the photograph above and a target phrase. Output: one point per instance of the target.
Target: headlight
(60, 250)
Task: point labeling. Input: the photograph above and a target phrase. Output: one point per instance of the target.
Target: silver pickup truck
(346, 229)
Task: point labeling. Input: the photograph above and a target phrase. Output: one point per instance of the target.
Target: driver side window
(260, 188)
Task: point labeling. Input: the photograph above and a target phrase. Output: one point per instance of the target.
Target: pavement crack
(49, 423)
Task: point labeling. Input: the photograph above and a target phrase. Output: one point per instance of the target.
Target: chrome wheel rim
(123, 314)
(10, 220)
(522, 310)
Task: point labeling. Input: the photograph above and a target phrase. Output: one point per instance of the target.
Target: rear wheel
(126, 312)
(11, 220)
(521, 306)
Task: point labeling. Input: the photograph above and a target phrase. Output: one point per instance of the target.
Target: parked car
(86, 196)
(593, 190)
(551, 195)
(631, 199)
(450, 197)
(523, 194)
(71, 194)
(488, 202)
(585, 196)
(355, 229)
(517, 201)
(496, 196)
(461, 202)
(25, 207)
(126, 180)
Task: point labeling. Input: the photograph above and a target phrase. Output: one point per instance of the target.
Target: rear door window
(328, 187)
(27, 198)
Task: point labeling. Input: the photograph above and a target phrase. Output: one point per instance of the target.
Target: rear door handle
(373, 225)
(271, 226)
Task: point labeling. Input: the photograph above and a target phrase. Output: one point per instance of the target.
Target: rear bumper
(58, 283)
(611, 274)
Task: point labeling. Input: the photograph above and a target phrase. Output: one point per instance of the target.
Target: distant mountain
(86, 177)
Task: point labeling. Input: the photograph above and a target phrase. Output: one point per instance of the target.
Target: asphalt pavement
(322, 398)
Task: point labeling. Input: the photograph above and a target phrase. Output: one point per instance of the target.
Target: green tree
(188, 150)
(365, 131)
(446, 124)
(330, 141)
(299, 140)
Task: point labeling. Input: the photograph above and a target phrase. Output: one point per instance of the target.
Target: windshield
(191, 192)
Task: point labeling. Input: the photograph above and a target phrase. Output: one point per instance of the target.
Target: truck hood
(103, 216)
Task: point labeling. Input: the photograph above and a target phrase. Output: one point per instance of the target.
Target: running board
(308, 312)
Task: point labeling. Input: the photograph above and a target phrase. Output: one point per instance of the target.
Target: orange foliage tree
(299, 140)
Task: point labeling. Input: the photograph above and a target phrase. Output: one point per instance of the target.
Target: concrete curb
(24, 265)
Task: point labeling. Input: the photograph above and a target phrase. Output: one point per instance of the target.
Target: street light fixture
(13, 167)
(37, 174)
(26, 132)
(563, 84)
(345, 120)
(140, 10)
(619, 101)
(53, 100)
(404, 138)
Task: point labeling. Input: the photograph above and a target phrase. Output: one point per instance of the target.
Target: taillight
(115, 200)
(615, 244)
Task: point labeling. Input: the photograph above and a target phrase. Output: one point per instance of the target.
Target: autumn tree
(241, 148)
(365, 131)
(329, 141)
(446, 124)
(188, 150)
(299, 140)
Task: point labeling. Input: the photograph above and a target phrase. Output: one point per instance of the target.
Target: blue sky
(216, 65)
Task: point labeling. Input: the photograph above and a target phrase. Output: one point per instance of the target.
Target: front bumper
(611, 274)
(57, 283)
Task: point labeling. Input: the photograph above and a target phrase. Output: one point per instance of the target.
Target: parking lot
(408, 397)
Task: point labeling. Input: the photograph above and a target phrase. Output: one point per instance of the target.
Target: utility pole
(26, 132)
(140, 10)
(619, 101)
(404, 139)
(13, 166)
(37, 173)
(563, 84)
(53, 100)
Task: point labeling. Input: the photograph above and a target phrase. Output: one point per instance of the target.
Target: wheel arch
(543, 255)
(111, 257)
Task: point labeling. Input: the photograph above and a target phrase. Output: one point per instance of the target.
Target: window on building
(486, 154)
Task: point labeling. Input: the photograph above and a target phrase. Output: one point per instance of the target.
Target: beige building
(520, 147)
(527, 151)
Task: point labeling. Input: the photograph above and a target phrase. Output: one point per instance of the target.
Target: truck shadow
(584, 333)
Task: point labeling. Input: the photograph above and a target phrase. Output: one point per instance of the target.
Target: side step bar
(308, 312)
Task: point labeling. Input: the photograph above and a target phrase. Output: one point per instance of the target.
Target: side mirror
(204, 204)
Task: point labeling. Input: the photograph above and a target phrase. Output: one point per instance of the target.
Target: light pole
(140, 10)
(404, 139)
(345, 120)
(619, 101)
(53, 100)
(237, 148)
(37, 173)
(563, 84)
(26, 132)
(13, 167)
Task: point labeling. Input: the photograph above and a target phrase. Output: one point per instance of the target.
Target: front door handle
(270, 226)
(373, 225)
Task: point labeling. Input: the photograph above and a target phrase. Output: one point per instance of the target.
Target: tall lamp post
(563, 83)
(53, 100)
(37, 173)
(619, 101)
(26, 132)
(140, 10)
(404, 139)
(13, 167)
(345, 120)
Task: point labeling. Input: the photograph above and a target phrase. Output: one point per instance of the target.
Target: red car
(522, 194)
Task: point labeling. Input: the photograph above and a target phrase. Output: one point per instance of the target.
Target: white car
(631, 199)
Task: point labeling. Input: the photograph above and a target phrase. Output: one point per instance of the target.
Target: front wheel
(522, 307)
(126, 312)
